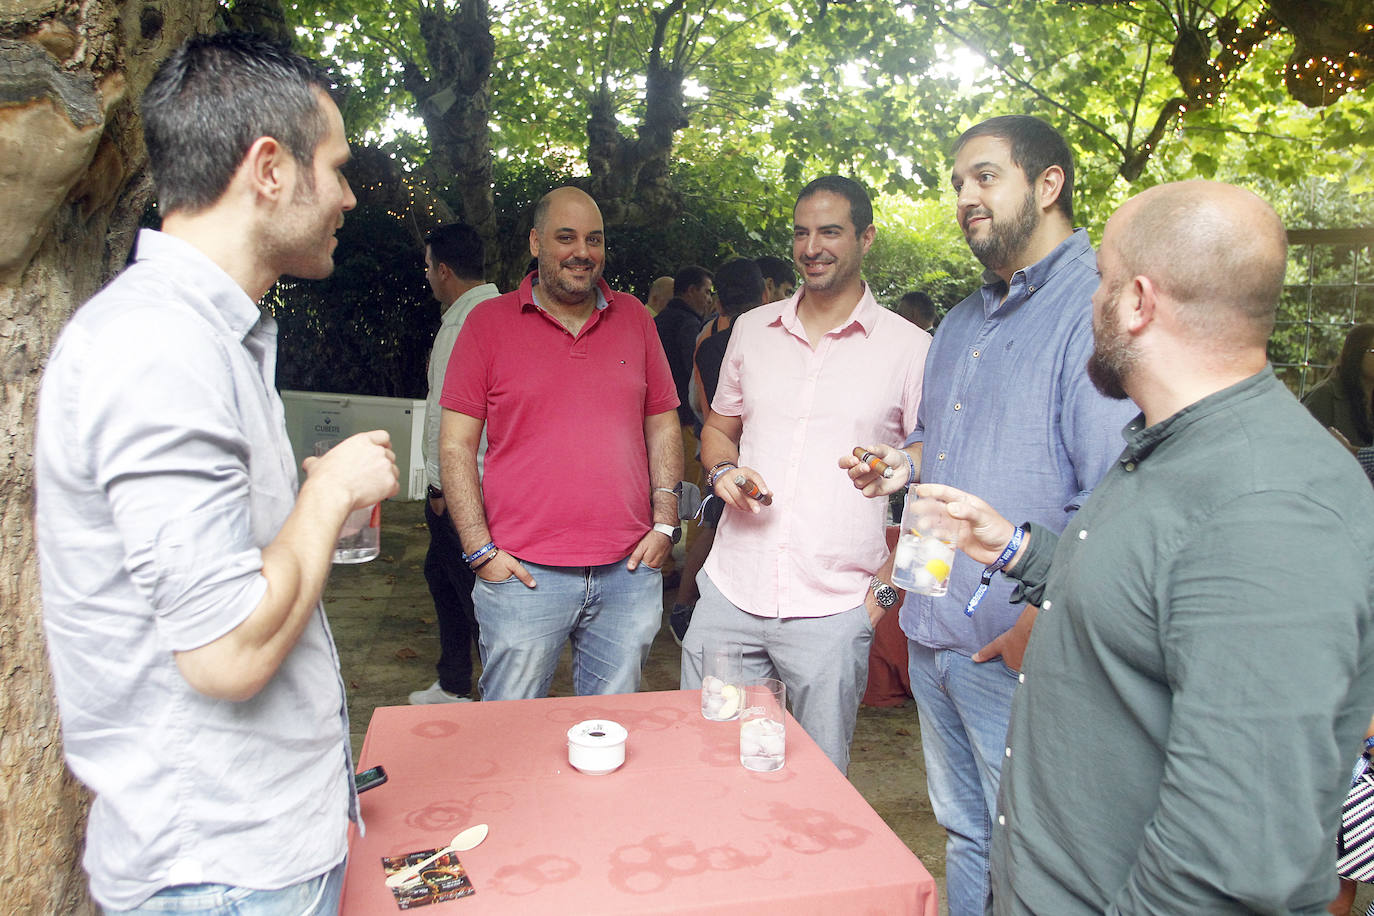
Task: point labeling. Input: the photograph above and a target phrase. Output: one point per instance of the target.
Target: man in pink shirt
(576, 507)
(805, 380)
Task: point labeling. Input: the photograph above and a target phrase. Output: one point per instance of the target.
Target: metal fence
(1328, 289)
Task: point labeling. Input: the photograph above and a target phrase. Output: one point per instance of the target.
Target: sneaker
(436, 694)
(678, 622)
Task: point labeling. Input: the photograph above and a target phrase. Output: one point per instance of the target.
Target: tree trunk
(455, 104)
(72, 187)
(629, 177)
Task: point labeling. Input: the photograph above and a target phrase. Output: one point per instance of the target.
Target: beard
(1113, 355)
(1006, 241)
(565, 289)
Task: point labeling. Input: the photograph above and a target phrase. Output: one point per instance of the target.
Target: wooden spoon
(464, 841)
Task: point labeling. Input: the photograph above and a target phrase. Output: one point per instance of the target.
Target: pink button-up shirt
(812, 552)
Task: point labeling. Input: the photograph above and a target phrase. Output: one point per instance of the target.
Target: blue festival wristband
(1008, 552)
(479, 553)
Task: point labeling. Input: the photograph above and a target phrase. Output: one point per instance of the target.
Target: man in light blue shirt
(198, 684)
(1008, 410)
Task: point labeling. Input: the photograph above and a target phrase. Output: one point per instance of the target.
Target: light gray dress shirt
(163, 469)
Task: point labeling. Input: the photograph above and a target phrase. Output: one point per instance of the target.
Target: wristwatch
(434, 492)
(674, 534)
(884, 593)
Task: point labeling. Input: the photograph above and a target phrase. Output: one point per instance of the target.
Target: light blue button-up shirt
(1008, 414)
(163, 469)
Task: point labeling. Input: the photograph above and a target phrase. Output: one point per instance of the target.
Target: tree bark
(630, 177)
(72, 187)
(455, 104)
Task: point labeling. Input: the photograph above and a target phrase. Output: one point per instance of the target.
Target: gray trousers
(823, 661)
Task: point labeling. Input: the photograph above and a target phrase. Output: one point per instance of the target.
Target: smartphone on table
(369, 779)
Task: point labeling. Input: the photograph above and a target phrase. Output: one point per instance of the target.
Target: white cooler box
(316, 416)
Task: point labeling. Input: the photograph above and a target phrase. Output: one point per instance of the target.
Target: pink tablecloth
(680, 828)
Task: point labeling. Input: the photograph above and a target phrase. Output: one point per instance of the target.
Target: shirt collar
(865, 314)
(460, 307)
(1029, 280)
(217, 295)
(1141, 440)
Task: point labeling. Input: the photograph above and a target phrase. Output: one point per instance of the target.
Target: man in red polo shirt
(576, 509)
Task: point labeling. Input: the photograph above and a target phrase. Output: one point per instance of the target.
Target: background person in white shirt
(453, 267)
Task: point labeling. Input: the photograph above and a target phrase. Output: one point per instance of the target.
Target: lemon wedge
(731, 697)
(938, 568)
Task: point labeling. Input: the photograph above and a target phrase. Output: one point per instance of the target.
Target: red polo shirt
(566, 477)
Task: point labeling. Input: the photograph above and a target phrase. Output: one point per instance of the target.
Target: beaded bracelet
(716, 471)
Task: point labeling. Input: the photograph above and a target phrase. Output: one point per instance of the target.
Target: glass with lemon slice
(925, 549)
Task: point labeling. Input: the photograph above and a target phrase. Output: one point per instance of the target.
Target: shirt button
(1021, 678)
(1047, 605)
(958, 406)
(942, 456)
(1001, 820)
(976, 354)
(1030, 289)
(1083, 534)
(1130, 465)
(1008, 752)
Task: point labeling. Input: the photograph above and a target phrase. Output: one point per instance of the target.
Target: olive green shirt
(1200, 674)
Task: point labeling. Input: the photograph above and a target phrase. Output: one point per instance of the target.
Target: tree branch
(1030, 87)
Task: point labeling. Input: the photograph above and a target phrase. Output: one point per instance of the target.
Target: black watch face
(677, 535)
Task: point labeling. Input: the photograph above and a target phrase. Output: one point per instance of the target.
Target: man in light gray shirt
(197, 681)
(453, 268)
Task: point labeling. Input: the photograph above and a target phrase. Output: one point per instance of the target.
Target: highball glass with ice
(721, 672)
(763, 725)
(925, 548)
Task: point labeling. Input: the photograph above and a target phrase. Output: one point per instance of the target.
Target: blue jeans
(823, 661)
(610, 614)
(318, 896)
(964, 708)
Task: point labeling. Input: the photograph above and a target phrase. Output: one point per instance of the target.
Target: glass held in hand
(924, 555)
(360, 538)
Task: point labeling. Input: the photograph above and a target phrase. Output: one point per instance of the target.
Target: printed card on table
(443, 879)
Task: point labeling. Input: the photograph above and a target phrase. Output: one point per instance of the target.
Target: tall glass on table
(763, 725)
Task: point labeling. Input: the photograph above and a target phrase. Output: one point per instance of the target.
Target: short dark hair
(739, 284)
(777, 269)
(922, 307)
(1346, 374)
(688, 277)
(1035, 146)
(212, 99)
(460, 247)
(860, 207)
